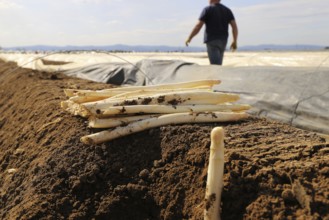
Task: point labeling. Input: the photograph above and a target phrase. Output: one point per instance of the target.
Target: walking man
(217, 18)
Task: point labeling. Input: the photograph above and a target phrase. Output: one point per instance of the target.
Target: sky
(151, 22)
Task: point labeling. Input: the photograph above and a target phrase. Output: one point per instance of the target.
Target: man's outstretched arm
(235, 32)
(194, 32)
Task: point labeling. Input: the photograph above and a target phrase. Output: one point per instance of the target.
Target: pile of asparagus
(125, 110)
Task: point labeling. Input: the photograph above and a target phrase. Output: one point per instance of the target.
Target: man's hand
(233, 46)
(187, 42)
(194, 32)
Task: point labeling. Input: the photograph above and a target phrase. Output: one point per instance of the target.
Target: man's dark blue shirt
(217, 18)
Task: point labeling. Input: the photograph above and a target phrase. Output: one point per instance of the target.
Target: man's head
(214, 1)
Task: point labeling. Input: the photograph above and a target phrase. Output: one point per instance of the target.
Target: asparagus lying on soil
(116, 121)
(122, 89)
(177, 118)
(137, 108)
(165, 109)
(173, 98)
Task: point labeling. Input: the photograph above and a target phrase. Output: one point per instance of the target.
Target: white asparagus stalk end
(215, 175)
(75, 108)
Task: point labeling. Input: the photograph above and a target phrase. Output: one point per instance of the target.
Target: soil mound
(272, 170)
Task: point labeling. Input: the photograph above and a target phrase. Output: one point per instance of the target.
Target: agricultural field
(272, 169)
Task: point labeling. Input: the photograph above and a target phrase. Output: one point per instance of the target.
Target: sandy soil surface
(272, 170)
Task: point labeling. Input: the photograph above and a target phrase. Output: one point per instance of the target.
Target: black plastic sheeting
(145, 72)
(298, 96)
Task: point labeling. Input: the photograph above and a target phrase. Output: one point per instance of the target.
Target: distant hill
(117, 47)
(162, 48)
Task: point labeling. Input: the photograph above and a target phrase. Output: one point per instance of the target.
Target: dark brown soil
(272, 170)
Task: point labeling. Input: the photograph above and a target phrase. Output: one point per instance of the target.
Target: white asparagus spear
(190, 84)
(165, 109)
(178, 118)
(114, 122)
(144, 90)
(172, 98)
(215, 175)
(139, 94)
(84, 99)
(120, 96)
(149, 92)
